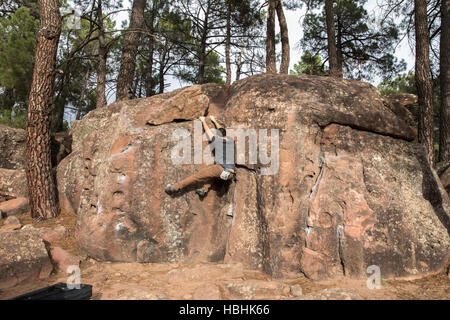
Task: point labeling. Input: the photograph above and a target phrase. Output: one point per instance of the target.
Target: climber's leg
(202, 176)
(204, 190)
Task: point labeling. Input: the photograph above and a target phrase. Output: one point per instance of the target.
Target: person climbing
(224, 164)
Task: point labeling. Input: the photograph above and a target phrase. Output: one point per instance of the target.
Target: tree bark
(285, 49)
(82, 95)
(161, 69)
(129, 51)
(202, 63)
(423, 79)
(151, 46)
(202, 52)
(228, 44)
(239, 65)
(149, 74)
(340, 59)
(271, 66)
(331, 38)
(41, 185)
(444, 128)
(102, 56)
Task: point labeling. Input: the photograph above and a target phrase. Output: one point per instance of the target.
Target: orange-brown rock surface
(352, 189)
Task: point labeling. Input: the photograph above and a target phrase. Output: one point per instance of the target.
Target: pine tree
(42, 190)
(364, 47)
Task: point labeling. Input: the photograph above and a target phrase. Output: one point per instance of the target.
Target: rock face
(342, 187)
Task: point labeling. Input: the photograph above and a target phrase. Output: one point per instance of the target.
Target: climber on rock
(224, 164)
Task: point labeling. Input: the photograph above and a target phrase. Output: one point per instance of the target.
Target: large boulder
(23, 257)
(12, 147)
(345, 187)
(13, 183)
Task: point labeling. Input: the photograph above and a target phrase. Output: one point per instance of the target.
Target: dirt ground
(214, 281)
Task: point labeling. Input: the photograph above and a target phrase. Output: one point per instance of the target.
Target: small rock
(10, 227)
(296, 290)
(14, 207)
(51, 236)
(12, 220)
(63, 259)
(30, 227)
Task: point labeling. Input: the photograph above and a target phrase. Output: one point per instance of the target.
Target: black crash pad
(58, 291)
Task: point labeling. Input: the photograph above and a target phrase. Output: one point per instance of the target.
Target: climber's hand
(212, 118)
(202, 119)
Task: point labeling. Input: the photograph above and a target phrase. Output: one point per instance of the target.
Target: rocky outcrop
(347, 189)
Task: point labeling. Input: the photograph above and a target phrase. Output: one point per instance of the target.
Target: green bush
(13, 118)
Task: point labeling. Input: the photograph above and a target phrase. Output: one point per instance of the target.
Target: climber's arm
(213, 119)
(208, 131)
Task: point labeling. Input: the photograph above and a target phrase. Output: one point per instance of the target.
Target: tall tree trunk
(102, 56)
(423, 79)
(331, 38)
(129, 51)
(161, 69)
(202, 54)
(340, 59)
(285, 49)
(239, 65)
(201, 64)
(41, 185)
(228, 44)
(151, 47)
(444, 126)
(149, 73)
(58, 120)
(271, 66)
(82, 95)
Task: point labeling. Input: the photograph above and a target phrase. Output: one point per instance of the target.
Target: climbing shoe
(170, 189)
(200, 192)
